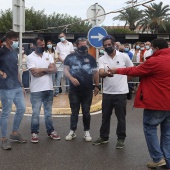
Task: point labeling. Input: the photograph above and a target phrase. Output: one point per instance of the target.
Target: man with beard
(115, 89)
(81, 68)
(41, 66)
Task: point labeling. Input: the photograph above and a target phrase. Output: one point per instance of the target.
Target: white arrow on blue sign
(95, 36)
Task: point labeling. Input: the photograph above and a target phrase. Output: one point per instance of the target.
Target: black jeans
(118, 102)
(83, 98)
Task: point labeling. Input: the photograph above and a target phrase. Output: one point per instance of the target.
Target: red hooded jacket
(154, 88)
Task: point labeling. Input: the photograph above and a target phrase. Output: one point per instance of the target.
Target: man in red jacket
(154, 96)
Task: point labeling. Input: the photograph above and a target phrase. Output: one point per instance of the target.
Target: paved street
(77, 154)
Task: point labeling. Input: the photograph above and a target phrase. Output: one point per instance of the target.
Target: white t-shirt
(45, 82)
(64, 50)
(118, 83)
(147, 53)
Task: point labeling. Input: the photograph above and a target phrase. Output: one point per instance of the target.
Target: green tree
(40, 22)
(154, 19)
(130, 16)
(5, 20)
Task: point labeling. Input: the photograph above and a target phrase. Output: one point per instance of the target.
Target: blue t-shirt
(9, 65)
(82, 67)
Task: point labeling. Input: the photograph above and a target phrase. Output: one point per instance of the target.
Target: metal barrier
(134, 80)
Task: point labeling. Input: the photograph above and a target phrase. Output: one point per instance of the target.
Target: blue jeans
(58, 81)
(83, 98)
(151, 119)
(8, 97)
(37, 99)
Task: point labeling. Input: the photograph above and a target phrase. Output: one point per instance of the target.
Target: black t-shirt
(82, 67)
(9, 65)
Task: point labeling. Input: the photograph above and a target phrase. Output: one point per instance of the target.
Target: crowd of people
(115, 67)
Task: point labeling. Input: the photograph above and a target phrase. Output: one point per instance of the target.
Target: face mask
(121, 51)
(101, 51)
(15, 44)
(22, 51)
(49, 46)
(75, 48)
(126, 49)
(109, 50)
(147, 47)
(137, 47)
(40, 50)
(62, 39)
(82, 49)
(142, 48)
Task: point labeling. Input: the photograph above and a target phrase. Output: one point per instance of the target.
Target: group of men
(81, 70)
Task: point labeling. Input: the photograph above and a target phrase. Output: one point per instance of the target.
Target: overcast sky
(76, 7)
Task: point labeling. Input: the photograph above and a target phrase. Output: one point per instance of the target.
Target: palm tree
(154, 19)
(130, 16)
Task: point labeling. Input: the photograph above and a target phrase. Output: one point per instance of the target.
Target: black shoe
(100, 141)
(55, 94)
(120, 144)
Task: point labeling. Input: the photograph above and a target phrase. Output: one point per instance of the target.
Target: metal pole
(20, 41)
(96, 23)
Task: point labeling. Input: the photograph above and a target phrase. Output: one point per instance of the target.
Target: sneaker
(87, 136)
(120, 144)
(100, 141)
(156, 164)
(5, 144)
(34, 138)
(54, 135)
(17, 138)
(71, 135)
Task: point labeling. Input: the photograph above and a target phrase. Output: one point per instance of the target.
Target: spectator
(80, 68)
(154, 95)
(41, 66)
(63, 48)
(11, 90)
(25, 72)
(136, 52)
(127, 51)
(142, 51)
(148, 51)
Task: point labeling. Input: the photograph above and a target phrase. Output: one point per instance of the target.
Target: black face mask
(40, 50)
(121, 51)
(82, 49)
(109, 50)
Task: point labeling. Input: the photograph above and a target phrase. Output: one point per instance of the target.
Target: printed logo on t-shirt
(86, 60)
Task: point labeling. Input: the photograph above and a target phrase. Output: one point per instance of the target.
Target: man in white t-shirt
(148, 51)
(115, 89)
(63, 49)
(41, 65)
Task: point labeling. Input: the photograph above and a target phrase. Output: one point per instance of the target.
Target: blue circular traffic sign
(95, 36)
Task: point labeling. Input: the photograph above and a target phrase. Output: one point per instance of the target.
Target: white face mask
(62, 39)
(23, 51)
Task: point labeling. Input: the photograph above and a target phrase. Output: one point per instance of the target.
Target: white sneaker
(71, 135)
(87, 136)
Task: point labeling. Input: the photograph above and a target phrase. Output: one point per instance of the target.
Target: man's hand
(96, 91)
(37, 72)
(3, 75)
(112, 71)
(74, 81)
